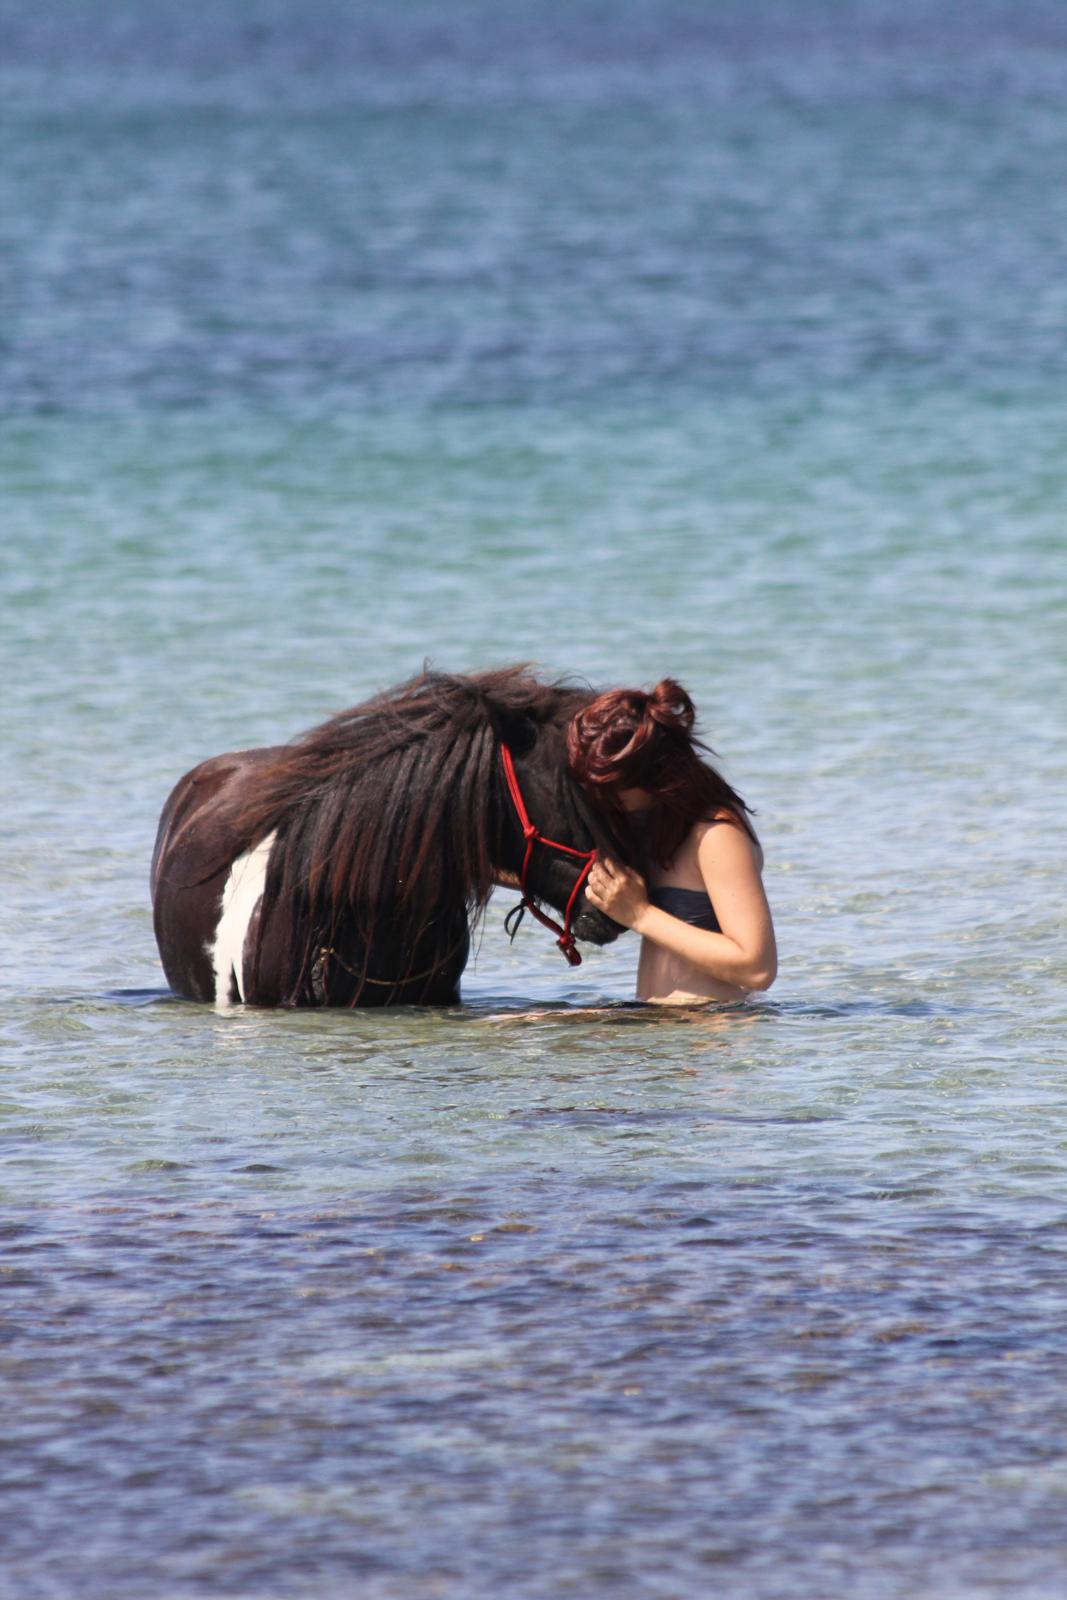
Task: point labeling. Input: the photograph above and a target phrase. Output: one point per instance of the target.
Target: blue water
(720, 340)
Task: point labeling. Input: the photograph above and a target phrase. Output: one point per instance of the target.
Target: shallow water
(727, 342)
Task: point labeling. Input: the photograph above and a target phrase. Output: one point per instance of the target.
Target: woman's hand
(617, 891)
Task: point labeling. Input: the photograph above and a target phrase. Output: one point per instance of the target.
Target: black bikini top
(688, 905)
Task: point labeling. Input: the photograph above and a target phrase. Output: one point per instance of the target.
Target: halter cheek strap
(533, 836)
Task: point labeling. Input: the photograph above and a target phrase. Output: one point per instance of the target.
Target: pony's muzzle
(593, 927)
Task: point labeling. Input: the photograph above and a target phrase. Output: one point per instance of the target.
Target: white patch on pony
(240, 897)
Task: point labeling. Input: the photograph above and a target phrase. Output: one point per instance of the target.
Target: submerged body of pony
(350, 867)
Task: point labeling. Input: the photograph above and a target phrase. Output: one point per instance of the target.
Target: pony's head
(531, 720)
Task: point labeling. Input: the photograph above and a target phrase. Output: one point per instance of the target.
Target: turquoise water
(634, 338)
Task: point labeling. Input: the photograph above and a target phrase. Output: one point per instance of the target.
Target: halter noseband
(534, 836)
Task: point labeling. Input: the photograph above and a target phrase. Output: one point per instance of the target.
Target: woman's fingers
(598, 884)
(606, 880)
(615, 890)
(605, 874)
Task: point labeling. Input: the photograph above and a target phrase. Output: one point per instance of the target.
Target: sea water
(721, 340)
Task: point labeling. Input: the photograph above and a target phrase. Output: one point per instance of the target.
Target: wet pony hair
(391, 816)
(633, 739)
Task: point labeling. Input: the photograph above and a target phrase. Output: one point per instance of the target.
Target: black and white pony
(350, 867)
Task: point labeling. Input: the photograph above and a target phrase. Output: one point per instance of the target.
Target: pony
(351, 866)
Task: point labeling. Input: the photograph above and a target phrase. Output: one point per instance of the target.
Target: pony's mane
(384, 813)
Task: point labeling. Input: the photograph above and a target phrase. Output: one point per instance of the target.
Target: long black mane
(390, 822)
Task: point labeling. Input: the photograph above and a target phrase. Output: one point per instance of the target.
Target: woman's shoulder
(723, 817)
(723, 831)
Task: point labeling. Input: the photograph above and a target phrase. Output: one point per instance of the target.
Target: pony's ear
(518, 731)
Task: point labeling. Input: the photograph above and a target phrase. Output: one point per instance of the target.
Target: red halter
(534, 836)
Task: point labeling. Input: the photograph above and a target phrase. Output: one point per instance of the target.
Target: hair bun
(670, 707)
(628, 738)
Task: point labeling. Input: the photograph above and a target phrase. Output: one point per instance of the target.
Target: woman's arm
(744, 953)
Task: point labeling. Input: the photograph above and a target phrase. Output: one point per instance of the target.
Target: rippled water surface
(630, 338)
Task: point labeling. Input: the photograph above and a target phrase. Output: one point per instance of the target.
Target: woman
(705, 926)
